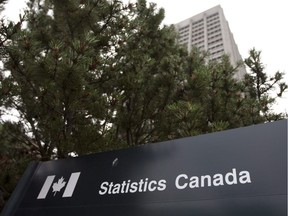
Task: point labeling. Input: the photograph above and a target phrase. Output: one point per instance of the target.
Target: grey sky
(259, 24)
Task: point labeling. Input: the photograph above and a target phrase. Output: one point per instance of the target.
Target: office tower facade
(210, 31)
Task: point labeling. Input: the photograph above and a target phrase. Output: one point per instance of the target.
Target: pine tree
(261, 88)
(88, 76)
(211, 99)
(148, 63)
(56, 64)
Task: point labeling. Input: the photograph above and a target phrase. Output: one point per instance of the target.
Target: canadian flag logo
(58, 185)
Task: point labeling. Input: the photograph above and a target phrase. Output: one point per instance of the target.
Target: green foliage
(211, 98)
(260, 89)
(88, 76)
(147, 74)
(58, 64)
(2, 4)
(16, 152)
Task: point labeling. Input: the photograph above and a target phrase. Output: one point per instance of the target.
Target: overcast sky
(254, 23)
(259, 24)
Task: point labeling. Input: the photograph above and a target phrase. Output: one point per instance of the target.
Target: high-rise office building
(210, 31)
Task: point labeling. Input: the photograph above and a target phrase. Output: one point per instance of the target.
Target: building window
(214, 37)
(213, 32)
(213, 23)
(215, 41)
(198, 21)
(214, 27)
(212, 16)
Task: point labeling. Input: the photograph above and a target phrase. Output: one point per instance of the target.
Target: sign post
(235, 172)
